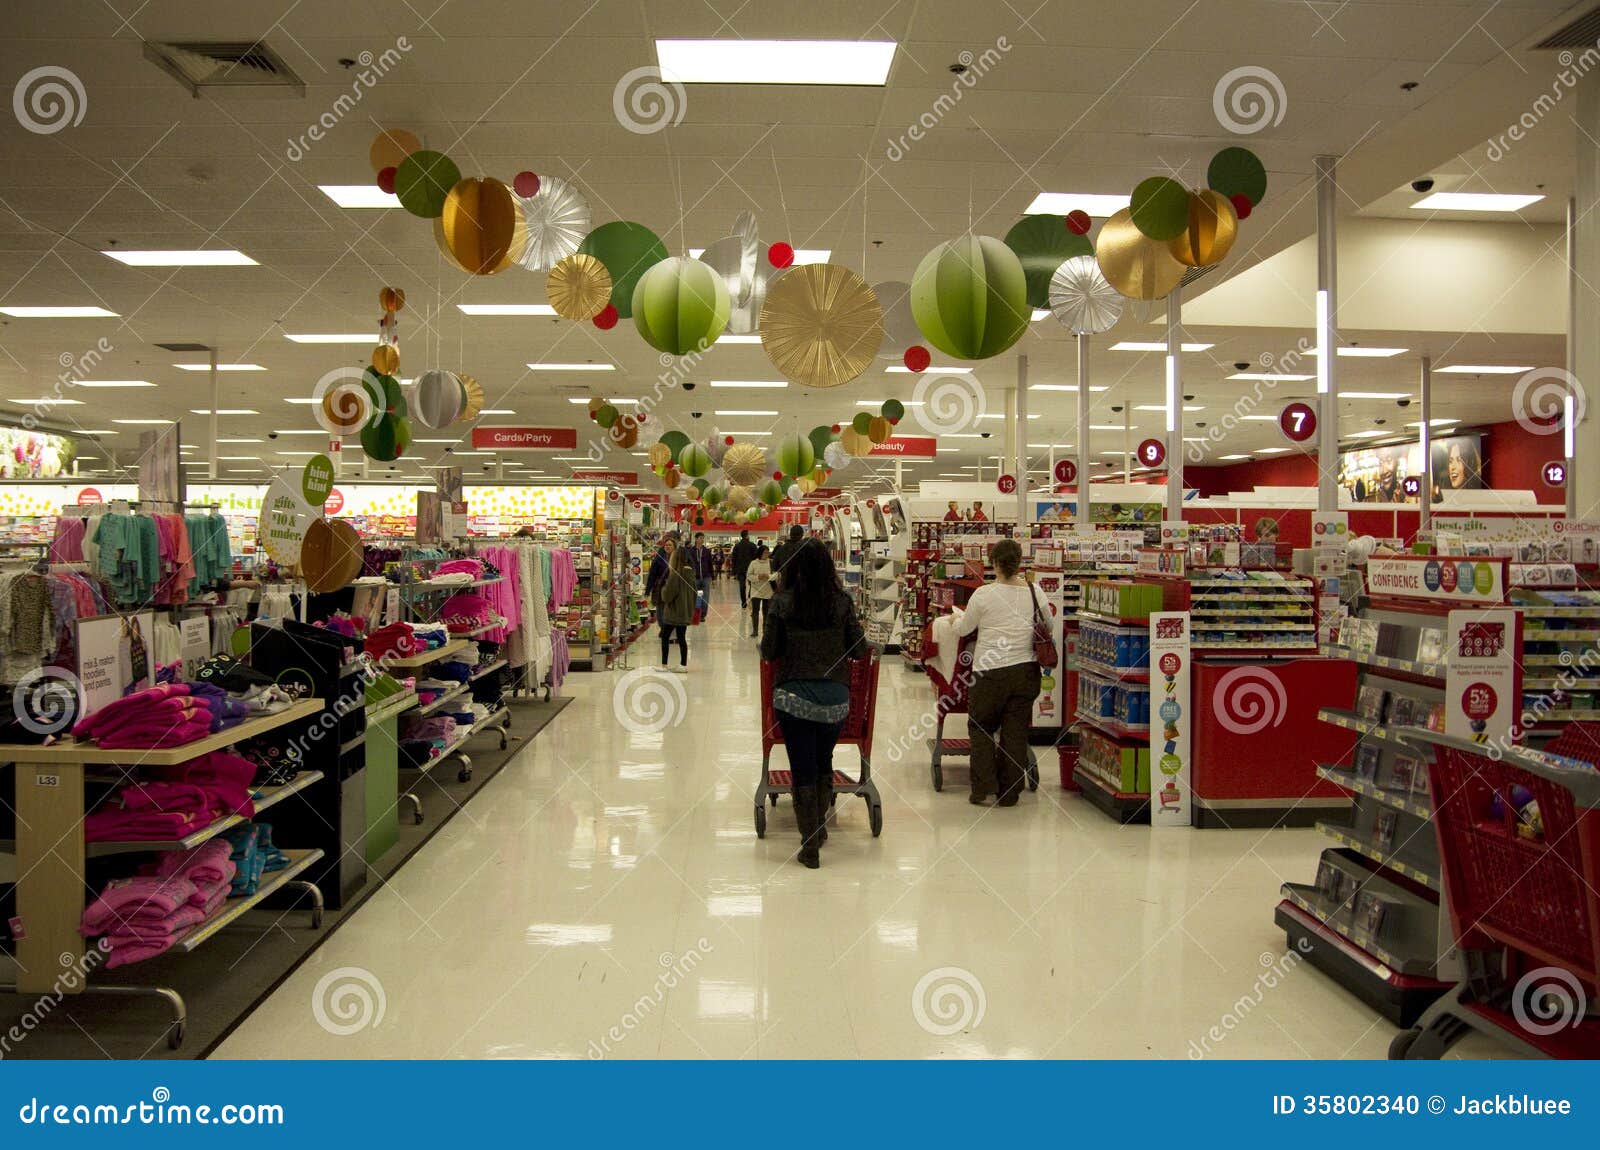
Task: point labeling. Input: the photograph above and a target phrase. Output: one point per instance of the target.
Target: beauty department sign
(524, 438)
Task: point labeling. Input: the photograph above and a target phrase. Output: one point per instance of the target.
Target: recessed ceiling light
(220, 367)
(742, 411)
(1374, 395)
(572, 367)
(330, 337)
(738, 339)
(1272, 376)
(1060, 203)
(144, 422)
(1364, 352)
(749, 383)
(1474, 202)
(114, 383)
(1436, 423)
(47, 401)
(359, 195)
(801, 255)
(740, 61)
(505, 309)
(177, 258)
(1152, 345)
(224, 411)
(1480, 369)
(57, 312)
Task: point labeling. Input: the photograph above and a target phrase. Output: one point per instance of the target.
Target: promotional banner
(285, 516)
(116, 657)
(194, 642)
(1171, 718)
(1048, 704)
(1483, 680)
(1437, 578)
(1379, 474)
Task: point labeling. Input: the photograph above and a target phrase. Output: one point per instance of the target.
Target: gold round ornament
(821, 325)
(880, 429)
(578, 287)
(386, 359)
(1133, 263)
(481, 228)
(854, 443)
(660, 455)
(744, 464)
(740, 499)
(1213, 226)
(474, 404)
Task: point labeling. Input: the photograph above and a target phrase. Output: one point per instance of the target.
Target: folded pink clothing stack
(181, 799)
(161, 716)
(143, 916)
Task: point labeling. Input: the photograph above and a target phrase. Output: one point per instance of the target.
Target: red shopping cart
(1519, 840)
(857, 732)
(950, 698)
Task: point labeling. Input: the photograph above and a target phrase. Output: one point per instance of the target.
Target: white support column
(1174, 404)
(1327, 305)
(1573, 406)
(216, 402)
(1085, 520)
(1020, 438)
(1127, 443)
(1425, 387)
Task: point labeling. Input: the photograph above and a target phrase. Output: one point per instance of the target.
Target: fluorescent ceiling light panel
(144, 422)
(881, 402)
(801, 255)
(1374, 395)
(742, 411)
(740, 61)
(1163, 407)
(999, 415)
(331, 337)
(1367, 434)
(359, 195)
(585, 399)
(47, 401)
(108, 383)
(1235, 457)
(57, 312)
(1364, 352)
(224, 411)
(1110, 427)
(1040, 313)
(1436, 423)
(932, 369)
(1152, 345)
(1065, 387)
(238, 441)
(299, 453)
(1475, 202)
(1270, 450)
(1271, 376)
(748, 383)
(572, 367)
(220, 367)
(1480, 369)
(177, 258)
(1260, 418)
(738, 339)
(1060, 203)
(502, 410)
(505, 309)
(302, 431)
(738, 431)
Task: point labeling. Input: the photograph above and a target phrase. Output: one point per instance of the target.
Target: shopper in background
(659, 563)
(812, 634)
(759, 577)
(700, 567)
(676, 606)
(1266, 529)
(1000, 701)
(782, 552)
(743, 552)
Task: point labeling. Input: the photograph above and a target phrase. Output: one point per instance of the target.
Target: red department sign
(908, 446)
(525, 438)
(625, 478)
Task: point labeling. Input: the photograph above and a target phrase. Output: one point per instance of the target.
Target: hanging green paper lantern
(628, 250)
(423, 181)
(970, 297)
(675, 442)
(820, 437)
(607, 416)
(1237, 172)
(770, 492)
(680, 306)
(1160, 208)
(694, 460)
(860, 422)
(795, 456)
(893, 410)
(1043, 244)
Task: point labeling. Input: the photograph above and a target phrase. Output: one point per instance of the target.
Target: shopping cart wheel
(938, 777)
(761, 821)
(1400, 1045)
(773, 796)
(875, 819)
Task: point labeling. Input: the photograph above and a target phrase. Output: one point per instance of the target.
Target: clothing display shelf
(52, 856)
(1371, 918)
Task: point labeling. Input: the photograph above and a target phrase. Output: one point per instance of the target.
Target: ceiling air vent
(183, 346)
(1583, 32)
(243, 69)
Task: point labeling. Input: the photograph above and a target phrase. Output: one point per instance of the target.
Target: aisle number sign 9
(1152, 453)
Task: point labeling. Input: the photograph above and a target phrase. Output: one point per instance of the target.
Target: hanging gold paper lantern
(390, 148)
(855, 443)
(481, 227)
(744, 464)
(1213, 226)
(391, 299)
(624, 433)
(806, 484)
(1133, 263)
(880, 429)
(578, 287)
(821, 325)
(740, 499)
(386, 359)
(660, 455)
(474, 405)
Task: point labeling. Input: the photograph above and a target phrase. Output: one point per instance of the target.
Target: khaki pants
(999, 708)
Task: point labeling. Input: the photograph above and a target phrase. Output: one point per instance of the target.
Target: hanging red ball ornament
(834, 429)
(526, 184)
(917, 358)
(780, 255)
(1078, 222)
(1241, 205)
(386, 180)
(728, 439)
(777, 475)
(607, 319)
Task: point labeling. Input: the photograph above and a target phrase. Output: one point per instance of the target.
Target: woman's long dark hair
(812, 585)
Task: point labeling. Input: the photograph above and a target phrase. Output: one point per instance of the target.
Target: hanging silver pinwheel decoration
(1082, 299)
(556, 217)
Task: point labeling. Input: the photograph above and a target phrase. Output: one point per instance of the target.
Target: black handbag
(1044, 643)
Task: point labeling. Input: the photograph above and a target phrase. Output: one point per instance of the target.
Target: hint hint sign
(525, 438)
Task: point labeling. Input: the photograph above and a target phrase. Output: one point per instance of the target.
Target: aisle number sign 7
(1298, 421)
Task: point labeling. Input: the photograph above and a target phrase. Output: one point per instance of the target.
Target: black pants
(810, 746)
(758, 610)
(744, 591)
(1000, 705)
(667, 631)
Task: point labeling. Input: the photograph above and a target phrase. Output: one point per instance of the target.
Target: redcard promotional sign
(1438, 577)
(908, 446)
(624, 478)
(1171, 724)
(1483, 681)
(524, 438)
(1048, 705)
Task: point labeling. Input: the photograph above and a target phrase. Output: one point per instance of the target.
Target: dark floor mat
(222, 981)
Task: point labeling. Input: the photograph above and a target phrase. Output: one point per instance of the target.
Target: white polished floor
(606, 895)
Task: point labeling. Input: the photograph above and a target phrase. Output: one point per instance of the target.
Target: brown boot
(805, 813)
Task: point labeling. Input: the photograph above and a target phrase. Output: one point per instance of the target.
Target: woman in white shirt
(758, 577)
(1000, 701)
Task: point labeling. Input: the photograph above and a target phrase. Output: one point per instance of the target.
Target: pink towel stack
(162, 716)
(180, 800)
(143, 916)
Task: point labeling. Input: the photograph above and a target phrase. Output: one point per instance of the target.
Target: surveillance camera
(985, 434)
(1423, 185)
(1402, 402)
(272, 435)
(1199, 423)
(1188, 399)
(1380, 422)
(1241, 364)
(688, 385)
(1117, 408)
